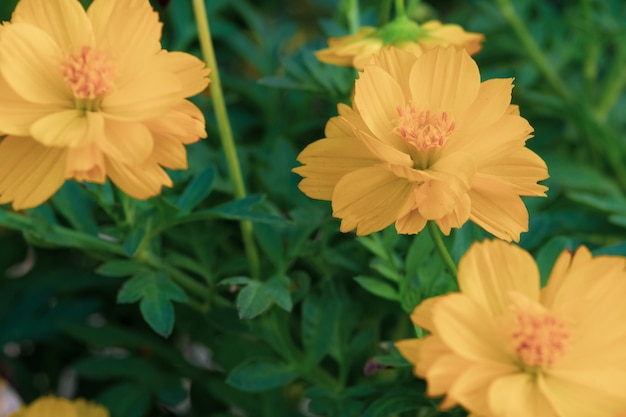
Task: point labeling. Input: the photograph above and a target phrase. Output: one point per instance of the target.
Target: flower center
(424, 129)
(539, 338)
(88, 73)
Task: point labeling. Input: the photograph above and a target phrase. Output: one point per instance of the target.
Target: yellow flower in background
(60, 407)
(91, 94)
(425, 140)
(356, 50)
(505, 347)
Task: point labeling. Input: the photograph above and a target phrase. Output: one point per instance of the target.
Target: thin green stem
(226, 134)
(181, 278)
(533, 50)
(352, 15)
(441, 247)
(400, 9)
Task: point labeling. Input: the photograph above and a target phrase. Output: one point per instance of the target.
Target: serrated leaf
(378, 287)
(260, 375)
(197, 190)
(120, 268)
(156, 292)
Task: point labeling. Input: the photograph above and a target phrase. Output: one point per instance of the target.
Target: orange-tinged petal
(326, 161)
(28, 57)
(457, 217)
(126, 142)
(521, 168)
(398, 63)
(131, 28)
(384, 151)
(471, 387)
(597, 393)
(490, 270)
(518, 395)
(423, 314)
(491, 103)
(68, 128)
(451, 34)
(445, 79)
(184, 123)
(497, 208)
(192, 72)
(469, 330)
(145, 98)
(169, 153)
(29, 172)
(444, 372)
(370, 199)
(86, 164)
(411, 223)
(89, 409)
(51, 407)
(64, 20)
(138, 181)
(378, 97)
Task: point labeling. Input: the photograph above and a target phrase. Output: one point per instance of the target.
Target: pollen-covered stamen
(88, 73)
(424, 129)
(539, 338)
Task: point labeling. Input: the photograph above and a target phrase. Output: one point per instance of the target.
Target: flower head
(505, 347)
(91, 94)
(425, 140)
(356, 50)
(53, 406)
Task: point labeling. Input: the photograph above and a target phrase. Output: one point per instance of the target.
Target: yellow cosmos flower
(505, 347)
(425, 140)
(60, 407)
(356, 50)
(89, 95)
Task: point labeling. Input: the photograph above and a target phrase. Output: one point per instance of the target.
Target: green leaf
(74, 204)
(260, 375)
(278, 289)
(319, 322)
(253, 300)
(378, 287)
(156, 292)
(126, 400)
(395, 402)
(241, 210)
(235, 281)
(197, 190)
(120, 268)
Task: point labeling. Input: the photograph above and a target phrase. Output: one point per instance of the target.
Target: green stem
(181, 278)
(441, 247)
(400, 10)
(533, 50)
(225, 131)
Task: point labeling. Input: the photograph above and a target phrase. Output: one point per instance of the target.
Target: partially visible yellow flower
(60, 407)
(425, 140)
(505, 347)
(87, 95)
(357, 49)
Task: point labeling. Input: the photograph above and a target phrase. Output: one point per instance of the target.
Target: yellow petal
(51, 407)
(471, 388)
(192, 73)
(378, 97)
(131, 28)
(469, 330)
(411, 223)
(491, 103)
(370, 199)
(29, 172)
(384, 151)
(138, 181)
(398, 63)
(147, 97)
(326, 161)
(497, 208)
(184, 123)
(518, 395)
(89, 409)
(457, 217)
(597, 393)
(86, 164)
(64, 20)
(169, 153)
(444, 372)
(522, 168)
(28, 58)
(490, 270)
(19, 114)
(126, 142)
(451, 34)
(68, 128)
(423, 314)
(445, 79)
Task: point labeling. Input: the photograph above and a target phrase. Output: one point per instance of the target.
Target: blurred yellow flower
(357, 49)
(505, 347)
(89, 95)
(60, 407)
(425, 140)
